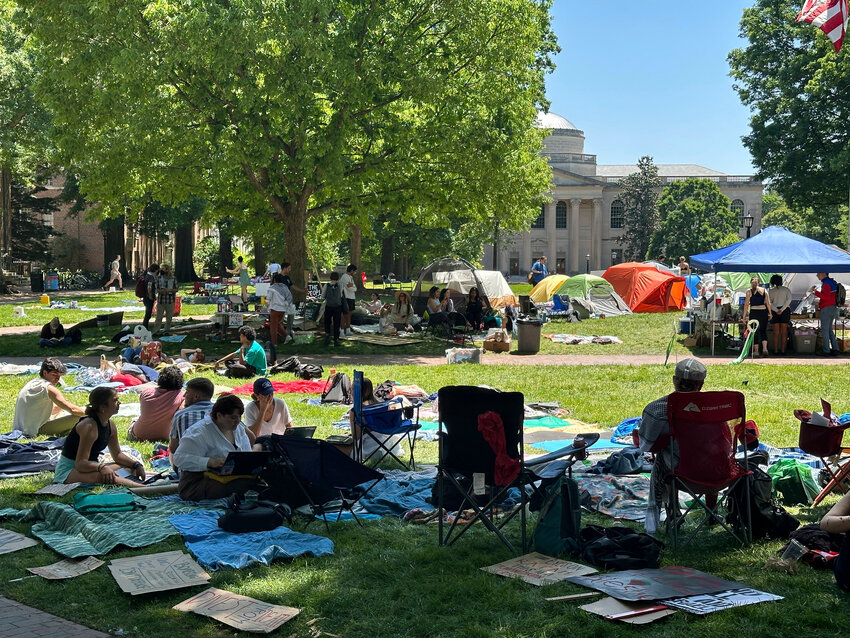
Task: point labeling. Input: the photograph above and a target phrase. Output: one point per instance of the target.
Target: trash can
(528, 336)
(51, 282)
(37, 281)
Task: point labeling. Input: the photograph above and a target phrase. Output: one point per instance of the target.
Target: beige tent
(492, 283)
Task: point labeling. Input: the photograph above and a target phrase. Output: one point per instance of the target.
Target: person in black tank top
(89, 437)
(757, 303)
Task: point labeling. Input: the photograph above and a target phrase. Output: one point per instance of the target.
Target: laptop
(303, 432)
(243, 463)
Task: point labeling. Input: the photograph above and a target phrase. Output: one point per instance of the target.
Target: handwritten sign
(58, 489)
(707, 603)
(68, 568)
(631, 613)
(157, 572)
(674, 581)
(240, 612)
(12, 541)
(235, 319)
(538, 569)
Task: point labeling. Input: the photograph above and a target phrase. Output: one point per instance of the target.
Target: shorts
(350, 305)
(63, 469)
(782, 317)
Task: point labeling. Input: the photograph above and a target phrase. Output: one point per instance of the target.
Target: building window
(540, 222)
(561, 265)
(561, 215)
(738, 207)
(513, 267)
(617, 214)
(616, 256)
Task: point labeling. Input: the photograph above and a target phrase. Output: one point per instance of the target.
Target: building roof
(553, 122)
(664, 170)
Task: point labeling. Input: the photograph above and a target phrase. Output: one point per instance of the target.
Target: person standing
(780, 303)
(115, 273)
(684, 267)
(273, 269)
(757, 302)
(150, 293)
(334, 300)
(349, 289)
(539, 271)
(828, 313)
(280, 301)
(244, 278)
(166, 295)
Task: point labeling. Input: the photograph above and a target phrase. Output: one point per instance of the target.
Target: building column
(573, 250)
(597, 234)
(551, 235)
(525, 253)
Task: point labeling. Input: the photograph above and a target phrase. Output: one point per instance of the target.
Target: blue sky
(650, 77)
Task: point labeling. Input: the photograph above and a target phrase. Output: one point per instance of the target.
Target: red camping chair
(702, 425)
(824, 441)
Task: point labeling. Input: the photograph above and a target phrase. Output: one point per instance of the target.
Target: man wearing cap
(654, 433)
(265, 414)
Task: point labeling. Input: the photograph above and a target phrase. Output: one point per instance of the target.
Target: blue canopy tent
(774, 249)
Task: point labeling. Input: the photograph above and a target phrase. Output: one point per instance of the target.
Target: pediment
(560, 177)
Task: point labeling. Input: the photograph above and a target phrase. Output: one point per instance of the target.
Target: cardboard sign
(157, 572)
(58, 489)
(235, 319)
(12, 541)
(538, 569)
(68, 568)
(241, 612)
(631, 613)
(656, 584)
(708, 603)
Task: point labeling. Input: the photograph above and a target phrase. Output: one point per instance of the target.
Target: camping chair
(457, 329)
(325, 478)
(476, 477)
(824, 441)
(526, 305)
(382, 424)
(701, 425)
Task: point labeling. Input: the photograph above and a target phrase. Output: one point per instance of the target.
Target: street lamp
(587, 263)
(748, 222)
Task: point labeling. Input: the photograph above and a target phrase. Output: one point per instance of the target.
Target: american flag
(829, 16)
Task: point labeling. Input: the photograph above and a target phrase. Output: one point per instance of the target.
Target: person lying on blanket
(88, 438)
(41, 408)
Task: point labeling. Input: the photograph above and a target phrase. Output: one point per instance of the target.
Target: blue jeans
(827, 328)
(47, 343)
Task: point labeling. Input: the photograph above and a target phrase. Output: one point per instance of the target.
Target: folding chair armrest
(570, 450)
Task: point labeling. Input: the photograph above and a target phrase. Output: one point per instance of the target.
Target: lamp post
(587, 263)
(748, 222)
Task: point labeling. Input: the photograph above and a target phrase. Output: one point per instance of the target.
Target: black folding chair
(468, 462)
(327, 479)
(457, 329)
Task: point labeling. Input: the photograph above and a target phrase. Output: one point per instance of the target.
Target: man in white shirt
(197, 402)
(265, 414)
(349, 289)
(272, 270)
(115, 273)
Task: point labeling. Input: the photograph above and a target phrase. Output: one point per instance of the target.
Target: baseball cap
(690, 370)
(263, 386)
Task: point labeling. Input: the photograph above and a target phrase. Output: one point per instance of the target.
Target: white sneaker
(288, 339)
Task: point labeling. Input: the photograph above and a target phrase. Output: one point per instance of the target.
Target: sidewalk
(20, 621)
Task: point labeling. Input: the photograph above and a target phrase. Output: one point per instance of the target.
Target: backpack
(769, 520)
(262, 517)
(531, 278)
(559, 522)
(338, 389)
(89, 503)
(75, 334)
(619, 548)
(840, 294)
(142, 287)
(333, 295)
(309, 371)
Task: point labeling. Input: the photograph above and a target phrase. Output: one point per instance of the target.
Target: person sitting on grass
(837, 521)
(53, 335)
(374, 305)
(41, 408)
(197, 402)
(266, 414)
(205, 447)
(402, 312)
(249, 360)
(88, 438)
(158, 405)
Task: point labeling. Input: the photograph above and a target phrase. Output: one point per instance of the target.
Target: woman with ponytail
(91, 435)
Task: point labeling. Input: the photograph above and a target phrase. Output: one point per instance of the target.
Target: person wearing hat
(266, 414)
(654, 434)
(41, 408)
(402, 312)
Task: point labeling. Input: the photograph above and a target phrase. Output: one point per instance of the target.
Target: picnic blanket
(214, 548)
(622, 497)
(286, 387)
(73, 535)
(379, 339)
(580, 340)
(15, 368)
(24, 459)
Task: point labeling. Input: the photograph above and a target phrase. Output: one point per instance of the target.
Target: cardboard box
(843, 344)
(497, 346)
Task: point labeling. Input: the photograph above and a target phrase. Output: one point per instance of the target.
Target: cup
(251, 499)
(795, 551)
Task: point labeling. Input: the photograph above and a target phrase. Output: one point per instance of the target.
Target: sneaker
(821, 353)
(288, 339)
(833, 353)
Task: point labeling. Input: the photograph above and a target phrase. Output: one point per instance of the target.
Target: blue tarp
(692, 282)
(214, 548)
(774, 249)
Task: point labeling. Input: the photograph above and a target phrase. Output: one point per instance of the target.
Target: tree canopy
(298, 109)
(694, 217)
(639, 194)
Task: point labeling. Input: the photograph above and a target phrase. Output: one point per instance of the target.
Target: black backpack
(75, 334)
(263, 517)
(338, 389)
(559, 522)
(619, 548)
(769, 520)
(840, 294)
(308, 371)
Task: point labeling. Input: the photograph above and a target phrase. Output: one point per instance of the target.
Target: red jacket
(826, 294)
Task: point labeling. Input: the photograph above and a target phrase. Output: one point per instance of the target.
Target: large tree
(639, 194)
(798, 89)
(694, 217)
(301, 108)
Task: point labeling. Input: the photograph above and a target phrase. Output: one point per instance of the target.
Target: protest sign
(157, 572)
(241, 612)
(538, 569)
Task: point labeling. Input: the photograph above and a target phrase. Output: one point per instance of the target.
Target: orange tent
(646, 289)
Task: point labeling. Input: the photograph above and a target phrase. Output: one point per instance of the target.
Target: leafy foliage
(639, 194)
(824, 223)
(30, 235)
(694, 217)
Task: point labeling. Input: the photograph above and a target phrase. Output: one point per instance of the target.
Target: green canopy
(741, 280)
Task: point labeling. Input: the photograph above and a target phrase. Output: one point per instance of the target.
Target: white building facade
(580, 228)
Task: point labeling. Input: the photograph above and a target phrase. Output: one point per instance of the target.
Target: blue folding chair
(383, 425)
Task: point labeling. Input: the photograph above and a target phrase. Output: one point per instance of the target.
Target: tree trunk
(184, 248)
(357, 254)
(293, 216)
(259, 255)
(225, 247)
(6, 213)
(387, 250)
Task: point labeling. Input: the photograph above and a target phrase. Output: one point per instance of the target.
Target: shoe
(833, 353)
(821, 353)
(336, 343)
(288, 339)
(327, 341)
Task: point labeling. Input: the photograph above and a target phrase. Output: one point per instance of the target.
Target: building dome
(553, 122)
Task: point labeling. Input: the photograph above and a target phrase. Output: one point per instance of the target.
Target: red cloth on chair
(493, 430)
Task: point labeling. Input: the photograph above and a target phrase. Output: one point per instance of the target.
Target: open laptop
(243, 463)
(302, 432)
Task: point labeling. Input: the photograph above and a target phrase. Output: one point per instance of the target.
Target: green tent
(582, 285)
(741, 280)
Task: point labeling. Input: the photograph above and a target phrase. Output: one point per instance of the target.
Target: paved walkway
(20, 621)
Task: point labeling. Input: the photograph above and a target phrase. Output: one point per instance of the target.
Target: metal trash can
(528, 336)
(36, 281)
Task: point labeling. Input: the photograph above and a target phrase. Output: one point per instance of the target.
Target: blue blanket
(214, 548)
